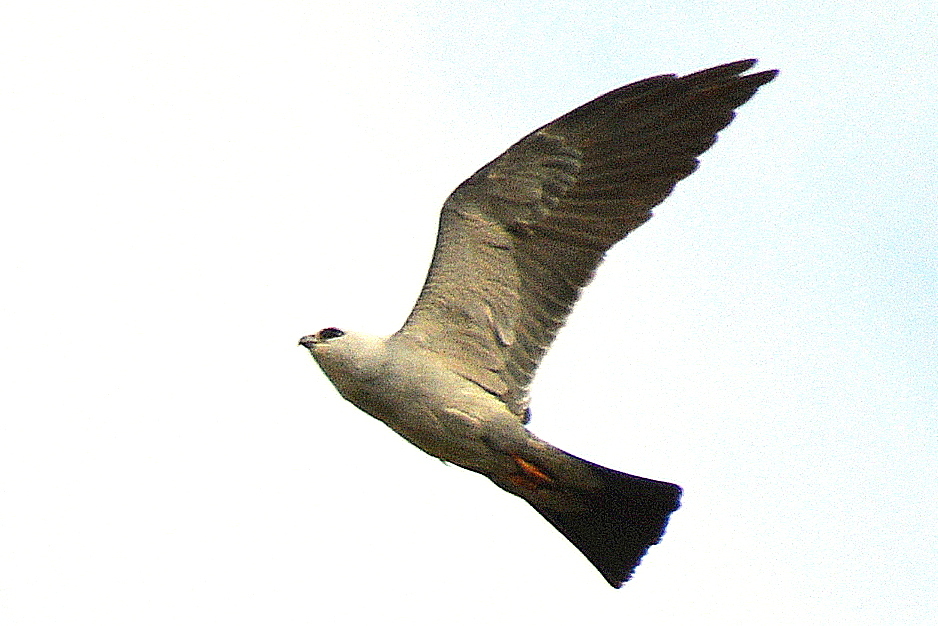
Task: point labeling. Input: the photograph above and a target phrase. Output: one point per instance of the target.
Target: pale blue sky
(190, 187)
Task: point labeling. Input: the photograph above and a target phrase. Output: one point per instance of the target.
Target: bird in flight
(517, 243)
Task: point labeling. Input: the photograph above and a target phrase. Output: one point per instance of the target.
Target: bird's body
(611, 516)
(517, 242)
(412, 391)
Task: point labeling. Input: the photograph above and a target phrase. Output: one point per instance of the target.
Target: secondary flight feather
(517, 243)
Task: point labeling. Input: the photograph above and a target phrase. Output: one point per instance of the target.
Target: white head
(347, 358)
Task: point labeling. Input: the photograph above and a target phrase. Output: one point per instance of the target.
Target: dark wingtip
(727, 69)
(730, 73)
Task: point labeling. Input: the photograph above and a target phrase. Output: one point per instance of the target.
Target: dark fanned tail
(613, 523)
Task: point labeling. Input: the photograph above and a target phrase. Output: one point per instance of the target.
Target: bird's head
(347, 358)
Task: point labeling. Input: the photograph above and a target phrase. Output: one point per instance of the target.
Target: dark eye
(330, 333)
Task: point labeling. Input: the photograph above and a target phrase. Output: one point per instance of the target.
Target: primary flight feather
(517, 243)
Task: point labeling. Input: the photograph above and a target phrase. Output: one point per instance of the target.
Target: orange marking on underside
(531, 477)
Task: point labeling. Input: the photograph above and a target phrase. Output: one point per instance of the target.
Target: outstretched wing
(520, 238)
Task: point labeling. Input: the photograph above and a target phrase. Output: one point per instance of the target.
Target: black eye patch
(330, 333)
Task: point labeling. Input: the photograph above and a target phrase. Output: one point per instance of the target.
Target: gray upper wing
(520, 238)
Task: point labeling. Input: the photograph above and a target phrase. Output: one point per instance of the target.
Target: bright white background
(189, 187)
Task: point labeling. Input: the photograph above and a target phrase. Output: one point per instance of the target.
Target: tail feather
(616, 520)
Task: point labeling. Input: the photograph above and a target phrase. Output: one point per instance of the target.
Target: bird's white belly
(453, 421)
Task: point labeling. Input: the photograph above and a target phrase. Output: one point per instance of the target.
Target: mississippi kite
(517, 243)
